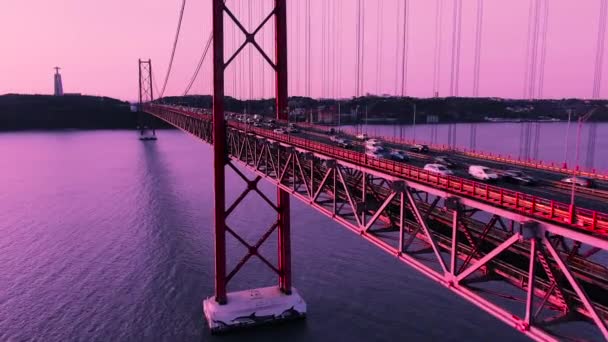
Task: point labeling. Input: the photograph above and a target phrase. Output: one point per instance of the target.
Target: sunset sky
(98, 43)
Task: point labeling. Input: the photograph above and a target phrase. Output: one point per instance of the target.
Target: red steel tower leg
(226, 310)
(282, 114)
(219, 152)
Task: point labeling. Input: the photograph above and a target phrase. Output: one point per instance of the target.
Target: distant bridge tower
(145, 124)
(58, 84)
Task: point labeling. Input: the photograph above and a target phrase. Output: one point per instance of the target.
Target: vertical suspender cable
(397, 31)
(358, 48)
(599, 52)
(323, 36)
(250, 28)
(534, 51)
(308, 49)
(478, 36)
(239, 59)
(362, 64)
(543, 51)
(378, 44)
(404, 54)
(458, 40)
(455, 48)
(528, 50)
(438, 36)
(263, 45)
(339, 39)
(298, 79)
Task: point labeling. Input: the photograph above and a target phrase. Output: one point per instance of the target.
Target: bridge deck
(368, 196)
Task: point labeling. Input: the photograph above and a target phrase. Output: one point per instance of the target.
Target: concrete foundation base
(253, 307)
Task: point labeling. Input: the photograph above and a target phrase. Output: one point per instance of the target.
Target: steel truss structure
(146, 95)
(218, 133)
(465, 243)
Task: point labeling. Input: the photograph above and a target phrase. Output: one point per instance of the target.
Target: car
(518, 176)
(398, 155)
(444, 160)
(419, 148)
(279, 131)
(483, 173)
(270, 125)
(362, 136)
(580, 181)
(438, 169)
(292, 129)
(374, 154)
(334, 138)
(270, 121)
(374, 148)
(257, 124)
(372, 141)
(344, 143)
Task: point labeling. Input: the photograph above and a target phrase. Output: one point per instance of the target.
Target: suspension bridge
(527, 256)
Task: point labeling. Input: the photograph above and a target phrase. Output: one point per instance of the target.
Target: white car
(291, 129)
(374, 154)
(362, 136)
(372, 142)
(438, 169)
(483, 173)
(374, 148)
(279, 131)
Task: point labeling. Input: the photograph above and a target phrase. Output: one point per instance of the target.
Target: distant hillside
(18, 112)
(21, 112)
(401, 109)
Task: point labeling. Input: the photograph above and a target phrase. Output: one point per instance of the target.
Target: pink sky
(97, 43)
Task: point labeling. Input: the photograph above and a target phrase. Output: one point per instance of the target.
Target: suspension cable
(378, 45)
(308, 50)
(397, 30)
(404, 54)
(179, 26)
(528, 49)
(534, 51)
(338, 36)
(358, 48)
(478, 35)
(438, 35)
(543, 50)
(200, 63)
(599, 53)
(455, 65)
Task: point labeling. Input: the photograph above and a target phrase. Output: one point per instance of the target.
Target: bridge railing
(529, 163)
(526, 204)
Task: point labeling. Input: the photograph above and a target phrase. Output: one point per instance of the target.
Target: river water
(107, 238)
(557, 141)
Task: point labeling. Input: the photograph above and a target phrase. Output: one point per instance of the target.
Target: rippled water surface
(106, 238)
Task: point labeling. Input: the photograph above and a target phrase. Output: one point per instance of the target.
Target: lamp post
(567, 137)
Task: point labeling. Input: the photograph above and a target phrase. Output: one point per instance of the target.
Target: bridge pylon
(145, 123)
(224, 310)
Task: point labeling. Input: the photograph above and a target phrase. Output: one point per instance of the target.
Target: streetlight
(567, 136)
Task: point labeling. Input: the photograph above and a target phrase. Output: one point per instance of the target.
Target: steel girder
(465, 250)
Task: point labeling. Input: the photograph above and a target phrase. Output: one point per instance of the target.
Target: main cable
(179, 26)
(200, 63)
